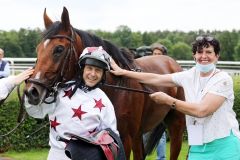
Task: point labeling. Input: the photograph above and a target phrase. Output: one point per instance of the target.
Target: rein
(22, 114)
(128, 89)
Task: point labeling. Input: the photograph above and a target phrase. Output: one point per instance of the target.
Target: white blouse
(223, 120)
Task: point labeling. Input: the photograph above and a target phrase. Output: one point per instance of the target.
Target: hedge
(236, 107)
(18, 140)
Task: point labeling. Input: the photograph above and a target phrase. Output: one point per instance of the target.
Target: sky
(138, 15)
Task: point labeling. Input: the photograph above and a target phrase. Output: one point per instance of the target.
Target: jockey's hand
(116, 70)
(22, 76)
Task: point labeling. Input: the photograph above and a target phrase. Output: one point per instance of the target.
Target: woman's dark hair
(205, 41)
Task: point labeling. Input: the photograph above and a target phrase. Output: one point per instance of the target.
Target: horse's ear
(65, 19)
(47, 21)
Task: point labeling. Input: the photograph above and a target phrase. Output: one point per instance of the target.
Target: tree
(12, 49)
(147, 39)
(237, 53)
(166, 42)
(181, 51)
(123, 36)
(28, 40)
(136, 39)
(228, 42)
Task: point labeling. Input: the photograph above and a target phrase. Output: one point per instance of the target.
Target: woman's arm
(207, 106)
(7, 84)
(146, 78)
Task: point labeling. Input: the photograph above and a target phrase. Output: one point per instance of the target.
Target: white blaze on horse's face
(37, 76)
(45, 43)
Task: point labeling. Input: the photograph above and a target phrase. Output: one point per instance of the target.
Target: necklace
(203, 81)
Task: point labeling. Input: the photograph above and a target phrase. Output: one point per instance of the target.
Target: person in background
(4, 66)
(81, 107)
(7, 84)
(212, 127)
(158, 49)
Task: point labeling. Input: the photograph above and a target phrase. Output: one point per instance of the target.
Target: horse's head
(59, 49)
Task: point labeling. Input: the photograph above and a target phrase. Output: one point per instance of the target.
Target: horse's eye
(59, 49)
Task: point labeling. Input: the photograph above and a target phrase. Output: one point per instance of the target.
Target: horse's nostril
(33, 96)
(34, 92)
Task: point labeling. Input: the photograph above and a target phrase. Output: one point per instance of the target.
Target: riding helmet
(95, 56)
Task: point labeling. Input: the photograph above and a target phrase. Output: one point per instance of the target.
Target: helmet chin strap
(85, 87)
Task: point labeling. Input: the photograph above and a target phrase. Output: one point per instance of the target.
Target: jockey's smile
(92, 75)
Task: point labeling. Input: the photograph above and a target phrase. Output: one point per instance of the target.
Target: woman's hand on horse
(161, 98)
(22, 76)
(116, 70)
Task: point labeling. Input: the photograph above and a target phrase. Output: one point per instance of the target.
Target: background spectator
(4, 66)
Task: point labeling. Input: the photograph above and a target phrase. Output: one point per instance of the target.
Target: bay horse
(57, 62)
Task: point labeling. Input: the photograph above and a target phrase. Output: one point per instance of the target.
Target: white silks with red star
(81, 114)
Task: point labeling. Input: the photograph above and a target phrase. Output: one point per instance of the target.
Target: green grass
(41, 154)
(182, 156)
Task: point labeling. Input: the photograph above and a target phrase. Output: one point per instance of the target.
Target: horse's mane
(122, 57)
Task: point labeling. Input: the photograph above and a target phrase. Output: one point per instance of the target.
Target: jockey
(81, 108)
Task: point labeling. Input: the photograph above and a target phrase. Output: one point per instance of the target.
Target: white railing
(20, 64)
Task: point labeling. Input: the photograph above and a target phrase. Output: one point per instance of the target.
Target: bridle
(52, 88)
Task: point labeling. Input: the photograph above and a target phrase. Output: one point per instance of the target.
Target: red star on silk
(99, 104)
(54, 123)
(68, 93)
(78, 112)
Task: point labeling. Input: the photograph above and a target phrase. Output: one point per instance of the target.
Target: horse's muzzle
(33, 96)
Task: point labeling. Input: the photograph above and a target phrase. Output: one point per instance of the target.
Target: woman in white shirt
(213, 130)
